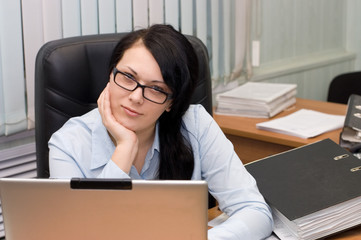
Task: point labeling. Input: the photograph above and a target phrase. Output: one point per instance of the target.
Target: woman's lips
(131, 112)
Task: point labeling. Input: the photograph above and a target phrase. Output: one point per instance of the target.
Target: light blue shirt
(83, 148)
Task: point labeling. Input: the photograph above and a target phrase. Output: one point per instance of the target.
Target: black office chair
(343, 85)
(71, 73)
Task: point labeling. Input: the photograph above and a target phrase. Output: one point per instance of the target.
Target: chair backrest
(343, 85)
(71, 73)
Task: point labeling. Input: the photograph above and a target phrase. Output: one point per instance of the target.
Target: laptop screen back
(52, 209)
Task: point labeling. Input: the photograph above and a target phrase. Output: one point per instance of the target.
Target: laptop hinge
(101, 183)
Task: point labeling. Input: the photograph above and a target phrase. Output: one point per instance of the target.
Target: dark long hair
(179, 66)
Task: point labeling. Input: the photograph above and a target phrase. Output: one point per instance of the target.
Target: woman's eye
(158, 88)
(130, 76)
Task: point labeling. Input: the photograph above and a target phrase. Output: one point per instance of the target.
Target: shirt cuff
(111, 170)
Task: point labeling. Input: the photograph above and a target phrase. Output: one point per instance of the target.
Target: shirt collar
(151, 163)
(156, 139)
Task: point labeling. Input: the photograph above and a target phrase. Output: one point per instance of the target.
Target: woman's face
(130, 108)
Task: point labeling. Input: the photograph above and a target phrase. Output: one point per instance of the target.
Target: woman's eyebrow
(136, 74)
(157, 81)
(132, 70)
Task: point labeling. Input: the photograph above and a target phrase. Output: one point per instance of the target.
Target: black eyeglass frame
(116, 71)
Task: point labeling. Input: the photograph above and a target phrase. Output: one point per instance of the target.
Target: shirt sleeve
(63, 163)
(111, 170)
(229, 182)
(72, 153)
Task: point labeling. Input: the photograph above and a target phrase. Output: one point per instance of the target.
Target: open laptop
(104, 209)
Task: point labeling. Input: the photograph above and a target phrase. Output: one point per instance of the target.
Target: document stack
(304, 123)
(313, 191)
(257, 99)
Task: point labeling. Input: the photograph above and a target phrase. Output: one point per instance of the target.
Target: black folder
(312, 186)
(350, 136)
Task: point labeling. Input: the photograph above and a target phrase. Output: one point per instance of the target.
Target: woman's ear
(169, 107)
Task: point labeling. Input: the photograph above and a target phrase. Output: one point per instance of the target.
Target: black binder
(350, 136)
(308, 185)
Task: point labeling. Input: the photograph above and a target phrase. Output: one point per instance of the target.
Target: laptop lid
(104, 209)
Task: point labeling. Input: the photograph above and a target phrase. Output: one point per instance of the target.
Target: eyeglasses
(151, 93)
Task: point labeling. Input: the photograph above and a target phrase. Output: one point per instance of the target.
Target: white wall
(353, 30)
(307, 42)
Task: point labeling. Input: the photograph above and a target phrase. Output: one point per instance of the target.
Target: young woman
(145, 128)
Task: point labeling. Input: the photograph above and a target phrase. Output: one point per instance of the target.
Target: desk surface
(246, 127)
(352, 234)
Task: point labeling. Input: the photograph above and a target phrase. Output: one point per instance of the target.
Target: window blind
(12, 87)
(221, 25)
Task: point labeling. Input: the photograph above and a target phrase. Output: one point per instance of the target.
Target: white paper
(282, 232)
(304, 123)
(218, 220)
(258, 92)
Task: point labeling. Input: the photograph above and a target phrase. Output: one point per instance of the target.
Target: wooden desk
(251, 143)
(352, 234)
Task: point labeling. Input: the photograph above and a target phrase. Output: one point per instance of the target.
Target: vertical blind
(25, 25)
(12, 88)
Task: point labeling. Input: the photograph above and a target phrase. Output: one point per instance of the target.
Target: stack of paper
(257, 99)
(304, 123)
(314, 190)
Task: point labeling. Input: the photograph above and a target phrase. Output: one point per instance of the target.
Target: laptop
(104, 209)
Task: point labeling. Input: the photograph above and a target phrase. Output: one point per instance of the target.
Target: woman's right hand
(124, 139)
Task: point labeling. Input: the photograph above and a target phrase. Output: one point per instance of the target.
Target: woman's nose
(137, 95)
